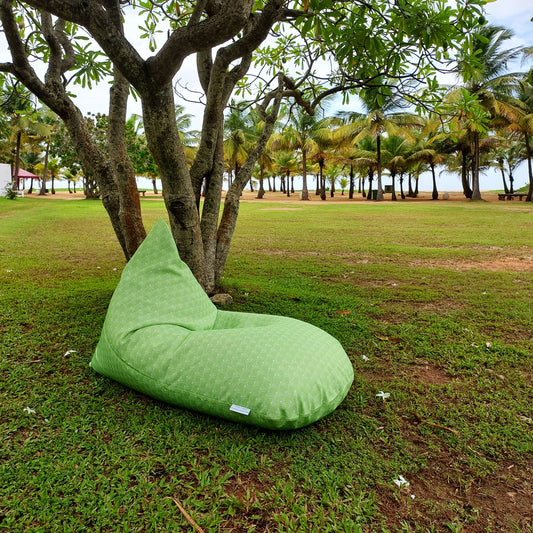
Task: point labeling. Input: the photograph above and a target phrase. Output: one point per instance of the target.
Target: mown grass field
(432, 301)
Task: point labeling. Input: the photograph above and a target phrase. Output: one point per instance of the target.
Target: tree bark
(435, 193)
(305, 190)
(379, 196)
(529, 196)
(476, 193)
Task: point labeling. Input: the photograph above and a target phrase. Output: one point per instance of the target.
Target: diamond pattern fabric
(164, 337)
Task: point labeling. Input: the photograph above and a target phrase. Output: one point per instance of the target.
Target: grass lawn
(432, 302)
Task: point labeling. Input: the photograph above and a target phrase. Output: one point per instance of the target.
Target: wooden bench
(509, 196)
(142, 192)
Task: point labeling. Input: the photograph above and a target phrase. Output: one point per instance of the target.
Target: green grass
(431, 301)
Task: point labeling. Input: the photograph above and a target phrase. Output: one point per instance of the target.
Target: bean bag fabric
(164, 337)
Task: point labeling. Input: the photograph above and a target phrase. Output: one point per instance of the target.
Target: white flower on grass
(488, 344)
(68, 352)
(383, 395)
(9, 271)
(365, 357)
(29, 410)
(401, 482)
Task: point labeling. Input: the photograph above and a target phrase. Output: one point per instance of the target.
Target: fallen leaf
(390, 339)
(341, 312)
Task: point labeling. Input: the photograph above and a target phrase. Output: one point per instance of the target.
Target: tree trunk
(129, 203)
(529, 196)
(261, 191)
(402, 194)
(322, 181)
(379, 196)
(42, 192)
(505, 188)
(180, 200)
(305, 191)
(476, 193)
(435, 193)
(467, 191)
(211, 208)
(15, 177)
(230, 212)
(393, 175)
(154, 186)
(370, 180)
(352, 183)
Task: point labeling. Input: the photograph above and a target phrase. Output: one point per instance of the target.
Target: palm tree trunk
(322, 181)
(42, 192)
(393, 176)
(435, 194)
(502, 170)
(305, 191)
(402, 194)
(467, 191)
(351, 189)
(17, 163)
(261, 191)
(476, 194)
(379, 196)
(529, 196)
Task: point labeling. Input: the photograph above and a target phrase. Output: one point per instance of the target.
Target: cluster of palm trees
(487, 122)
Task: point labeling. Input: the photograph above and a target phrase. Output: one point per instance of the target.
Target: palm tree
(364, 160)
(311, 137)
(485, 90)
(379, 121)
(239, 136)
(522, 122)
(286, 164)
(395, 152)
(430, 147)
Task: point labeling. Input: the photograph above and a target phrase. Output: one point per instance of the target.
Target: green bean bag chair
(164, 337)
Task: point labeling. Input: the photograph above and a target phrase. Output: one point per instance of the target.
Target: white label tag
(239, 409)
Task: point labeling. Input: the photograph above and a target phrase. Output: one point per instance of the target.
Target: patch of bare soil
(515, 264)
(430, 374)
(438, 499)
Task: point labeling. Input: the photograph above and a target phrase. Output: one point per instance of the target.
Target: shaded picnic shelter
(22, 175)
